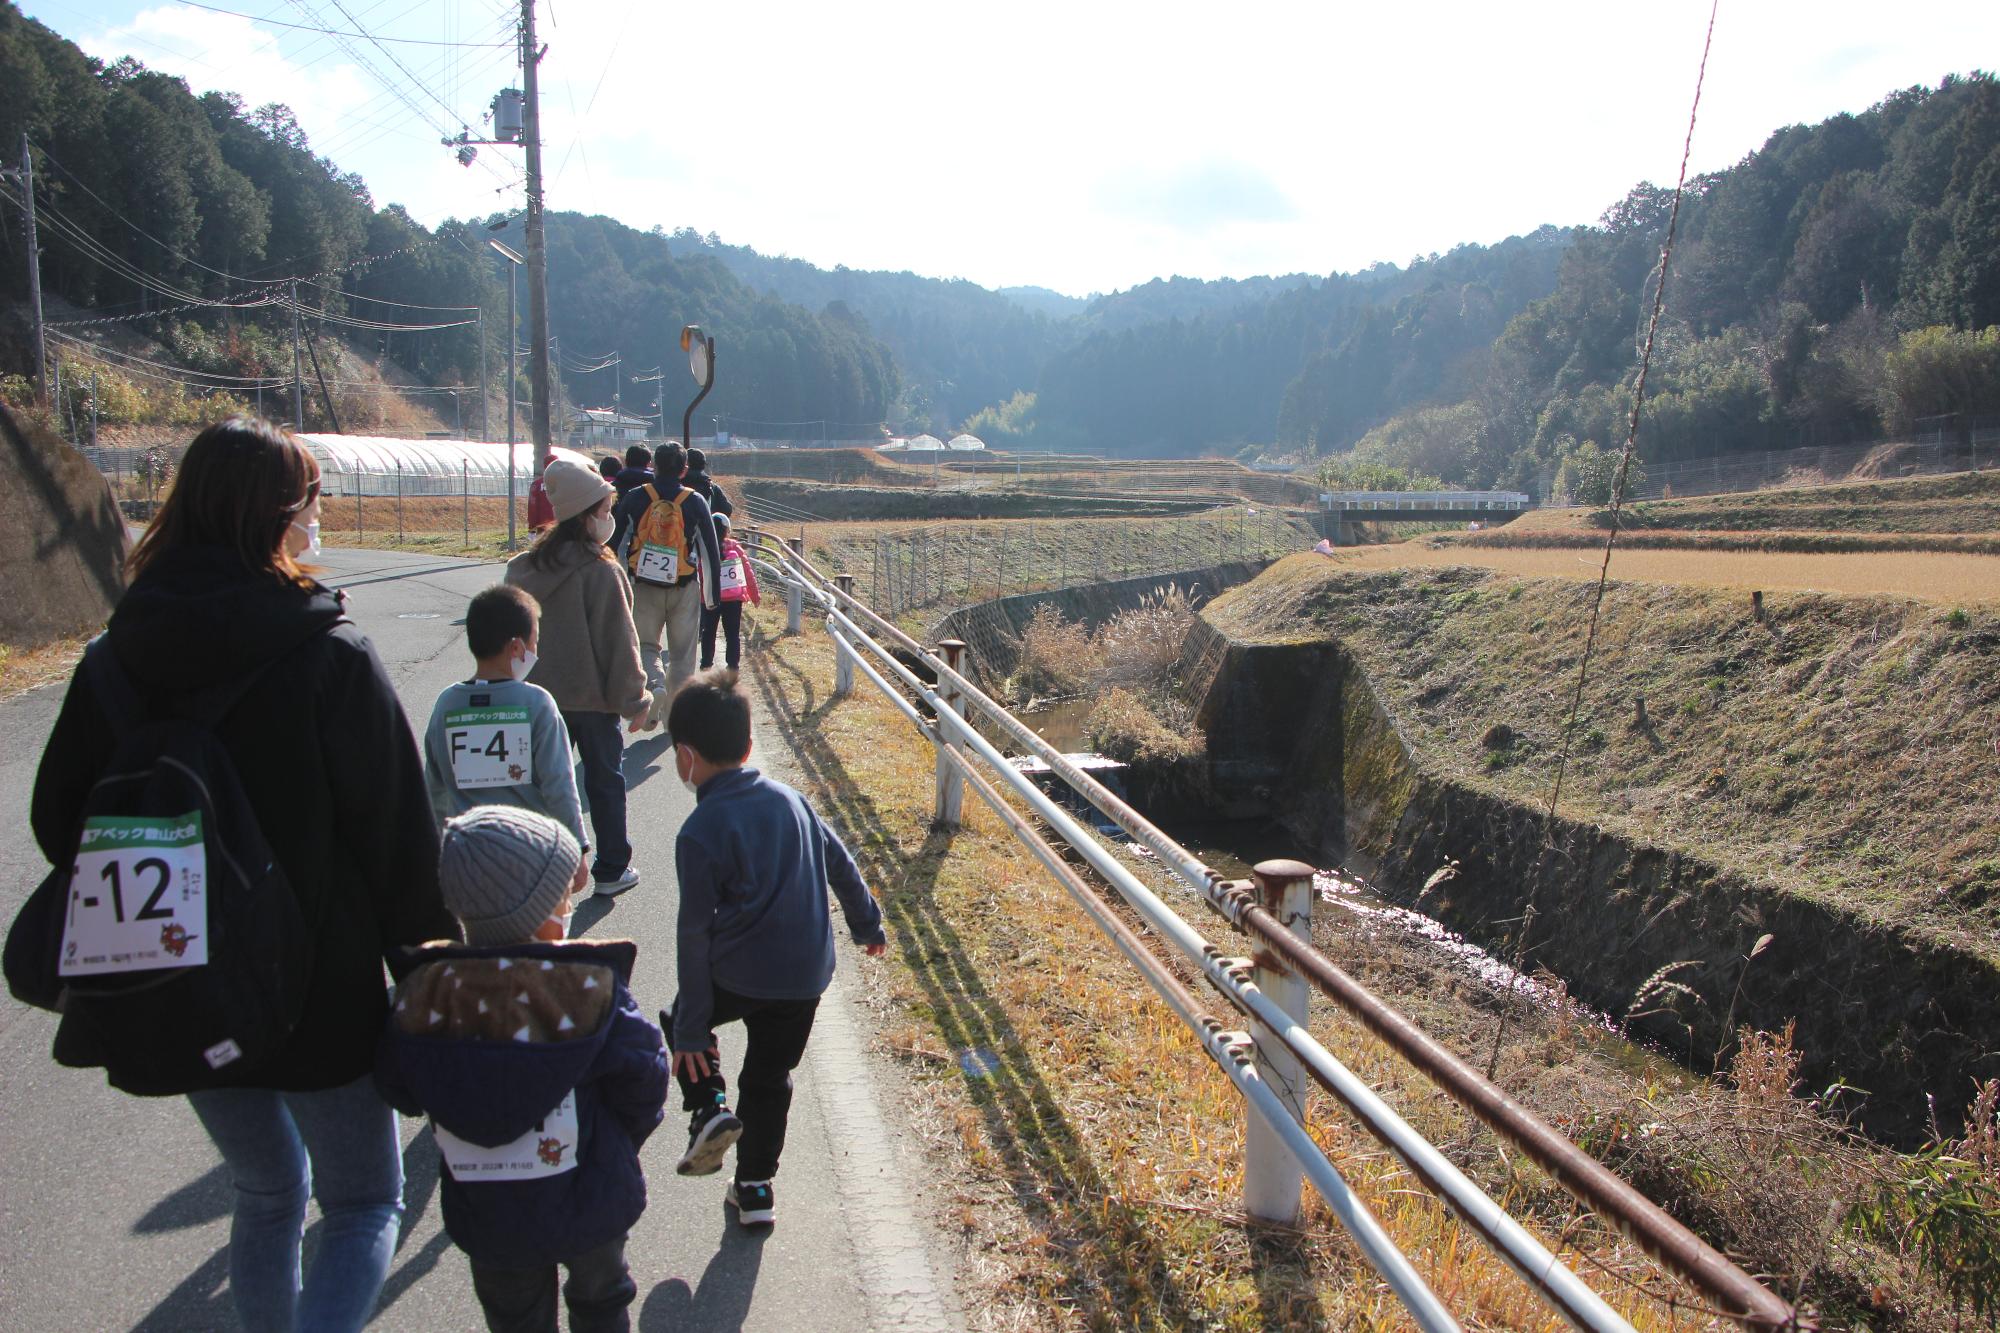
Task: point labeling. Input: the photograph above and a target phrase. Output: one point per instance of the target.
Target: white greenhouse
(383, 465)
(962, 443)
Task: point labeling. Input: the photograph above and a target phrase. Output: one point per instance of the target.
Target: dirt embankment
(1824, 776)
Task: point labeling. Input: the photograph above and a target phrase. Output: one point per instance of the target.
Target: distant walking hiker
(755, 938)
(279, 789)
(739, 585)
(675, 565)
(589, 653)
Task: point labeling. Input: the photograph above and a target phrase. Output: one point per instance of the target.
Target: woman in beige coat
(589, 651)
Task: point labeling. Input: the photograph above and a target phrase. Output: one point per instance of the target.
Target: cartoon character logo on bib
(550, 1150)
(174, 938)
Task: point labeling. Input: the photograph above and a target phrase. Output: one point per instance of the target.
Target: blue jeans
(339, 1146)
(596, 738)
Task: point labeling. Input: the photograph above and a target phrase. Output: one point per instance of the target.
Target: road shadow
(194, 1204)
(643, 758)
(1108, 1253)
(201, 1299)
(720, 1300)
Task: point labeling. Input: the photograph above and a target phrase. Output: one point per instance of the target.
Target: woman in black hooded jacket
(330, 767)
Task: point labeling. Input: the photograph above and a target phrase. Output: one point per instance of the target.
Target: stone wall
(62, 539)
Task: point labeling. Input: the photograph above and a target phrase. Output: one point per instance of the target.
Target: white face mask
(311, 530)
(601, 527)
(685, 780)
(522, 665)
(562, 919)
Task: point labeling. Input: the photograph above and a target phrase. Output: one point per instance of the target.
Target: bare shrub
(1142, 646)
(1058, 656)
(1130, 728)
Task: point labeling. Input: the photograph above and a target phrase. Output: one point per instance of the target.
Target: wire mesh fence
(936, 565)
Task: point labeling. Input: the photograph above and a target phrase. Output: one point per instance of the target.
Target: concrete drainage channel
(1269, 1059)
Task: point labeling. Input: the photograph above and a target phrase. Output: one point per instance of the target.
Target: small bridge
(1340, 508)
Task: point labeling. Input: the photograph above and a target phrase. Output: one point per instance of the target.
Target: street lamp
(701, 363)
(514, 262)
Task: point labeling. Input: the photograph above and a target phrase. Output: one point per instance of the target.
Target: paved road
(114, 1209)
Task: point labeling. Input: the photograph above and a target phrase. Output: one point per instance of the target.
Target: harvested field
(1954, 502)
(1947, 578)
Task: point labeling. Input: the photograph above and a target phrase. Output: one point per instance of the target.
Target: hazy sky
(1084, 146)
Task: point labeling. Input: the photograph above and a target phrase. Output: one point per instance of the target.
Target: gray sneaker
(611, 888)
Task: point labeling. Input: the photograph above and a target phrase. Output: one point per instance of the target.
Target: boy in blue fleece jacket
(755, 937)
(540, 1075)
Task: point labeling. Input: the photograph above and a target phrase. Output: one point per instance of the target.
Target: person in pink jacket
(739, 585)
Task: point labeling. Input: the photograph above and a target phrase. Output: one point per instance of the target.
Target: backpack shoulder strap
(652, 495)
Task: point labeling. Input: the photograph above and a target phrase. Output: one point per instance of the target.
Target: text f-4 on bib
(658, 564)
(138, 896)
(549, 1149)
(490, 747)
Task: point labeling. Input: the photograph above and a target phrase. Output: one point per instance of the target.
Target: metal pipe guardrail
(959, 742)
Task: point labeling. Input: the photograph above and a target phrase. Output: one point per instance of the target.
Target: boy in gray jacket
(495, 739)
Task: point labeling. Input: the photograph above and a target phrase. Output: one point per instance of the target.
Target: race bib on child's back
(490, 747)
(549, 1149)
(732, 575)
(659, 564)
(138, 896)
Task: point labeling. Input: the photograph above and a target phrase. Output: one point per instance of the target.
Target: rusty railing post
(843, 656)
(1271, 1175)
(950, 786)
(795, 591)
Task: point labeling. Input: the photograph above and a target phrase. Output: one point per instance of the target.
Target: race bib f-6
(138, 896)
(549, 1149)
(732, 575)
(490, 747)
(659, 564)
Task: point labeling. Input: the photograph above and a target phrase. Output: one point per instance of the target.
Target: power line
(329, 32)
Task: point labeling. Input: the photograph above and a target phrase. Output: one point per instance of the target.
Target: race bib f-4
(659, 564)
(138, 896)
(490, 747)
(549, 1149)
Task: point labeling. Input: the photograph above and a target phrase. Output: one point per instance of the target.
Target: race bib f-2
(659, 564)
(138, 896)
(490, 747)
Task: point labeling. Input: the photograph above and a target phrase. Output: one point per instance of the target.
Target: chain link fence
(941, 565)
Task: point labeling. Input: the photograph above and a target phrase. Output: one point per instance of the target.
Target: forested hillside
(1840, 284)
(1831, 287)
(192, 216)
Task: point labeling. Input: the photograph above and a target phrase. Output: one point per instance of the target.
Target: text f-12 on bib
(138, 896)
(490, 747)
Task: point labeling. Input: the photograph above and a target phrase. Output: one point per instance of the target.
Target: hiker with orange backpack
(675, 563)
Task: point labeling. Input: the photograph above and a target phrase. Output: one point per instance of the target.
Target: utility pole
(34, 270)
(298, 367)
(538, 273)
(485, 384)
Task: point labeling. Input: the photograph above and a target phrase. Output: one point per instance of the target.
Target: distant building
(591, 426)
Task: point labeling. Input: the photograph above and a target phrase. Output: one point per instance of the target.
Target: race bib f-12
(138, 896)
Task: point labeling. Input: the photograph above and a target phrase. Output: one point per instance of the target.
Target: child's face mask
(683, 766)
(522, 665)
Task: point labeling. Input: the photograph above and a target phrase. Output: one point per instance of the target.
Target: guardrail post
(950, 786)
(843, 656)
(1271, 1175)
(795, 592)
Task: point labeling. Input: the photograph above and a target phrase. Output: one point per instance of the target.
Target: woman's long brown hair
(240, 485)
(571, 529)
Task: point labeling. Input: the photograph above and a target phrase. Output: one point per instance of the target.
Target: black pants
(778, 1030)
(523, 1300)
(596, 738)
(730, 616)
